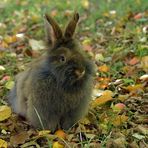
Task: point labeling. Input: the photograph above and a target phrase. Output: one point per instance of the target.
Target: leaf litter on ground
(119, 48)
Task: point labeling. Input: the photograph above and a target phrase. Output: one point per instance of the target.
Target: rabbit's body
(56, 87)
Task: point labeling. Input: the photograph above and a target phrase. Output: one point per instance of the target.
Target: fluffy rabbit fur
(58, 85)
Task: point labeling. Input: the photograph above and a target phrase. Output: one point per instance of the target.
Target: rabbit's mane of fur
(75, 56)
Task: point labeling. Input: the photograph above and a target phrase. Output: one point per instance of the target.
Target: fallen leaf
(143, 39)
(138, 136)
(87, 47)
(2, 68)
(123, 97)
(9, 85)
(95, 145)
(20, 35)
(116, 143)
(57, 145)
(135, 88)
(19, 138)
(145, 29)
(3, 144)
(120, 119)
(90, 136)
(44, 132)
(30, 144)
(6, 78)
(144, 77)
(103, 68)
(36, 45)
(54, 13)
(133, 145)
(3, 131)
(3, 44)
(10, 39)
(85, 121)
(35, 18)
(99, 57)
(106, 96)
(118, 107)
(134, 61)
(141, 129)
(112, 12)
(102, 85)
(60, 134)
(12, 54)
(87, 41)
(68, 13)
(85, 4)
(138, 16)
(5, 112)
(144, 63)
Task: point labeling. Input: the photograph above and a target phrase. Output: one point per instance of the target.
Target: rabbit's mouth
(76, 78)
(79, 74)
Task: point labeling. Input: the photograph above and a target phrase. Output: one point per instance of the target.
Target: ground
(114, 33)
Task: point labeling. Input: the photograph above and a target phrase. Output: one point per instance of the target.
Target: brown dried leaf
(134, 61)
(19, 138)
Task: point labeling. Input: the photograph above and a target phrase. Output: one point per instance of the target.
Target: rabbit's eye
(62, 58)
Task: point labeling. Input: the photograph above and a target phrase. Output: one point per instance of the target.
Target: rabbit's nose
(79, 73)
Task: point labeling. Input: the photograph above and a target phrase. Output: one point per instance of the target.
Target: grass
(96, 10)
(97, 25)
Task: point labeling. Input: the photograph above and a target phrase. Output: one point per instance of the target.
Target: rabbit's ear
(70, 29)
(52, 30)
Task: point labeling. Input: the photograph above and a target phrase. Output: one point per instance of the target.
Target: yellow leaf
(85, 4)
(120, 119)
(9, 84)
(35, 18)
(5, 112)
(57, 145)
(3, 144)
(144, 63)
(44, 132)
(135, 88)
(85, 121)
(4, 44)
(86, 41)
(106, 96)
(60, 134)
(123, 97)
(2, 68)
(10, 39)
(103, 68)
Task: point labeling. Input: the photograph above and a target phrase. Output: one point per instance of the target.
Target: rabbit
(55, 91)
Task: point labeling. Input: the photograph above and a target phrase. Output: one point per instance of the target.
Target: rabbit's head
(68, 62)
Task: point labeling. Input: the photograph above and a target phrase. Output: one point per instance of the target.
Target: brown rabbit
(56, 88)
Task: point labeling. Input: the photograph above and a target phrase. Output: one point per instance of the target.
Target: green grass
(96, 9)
